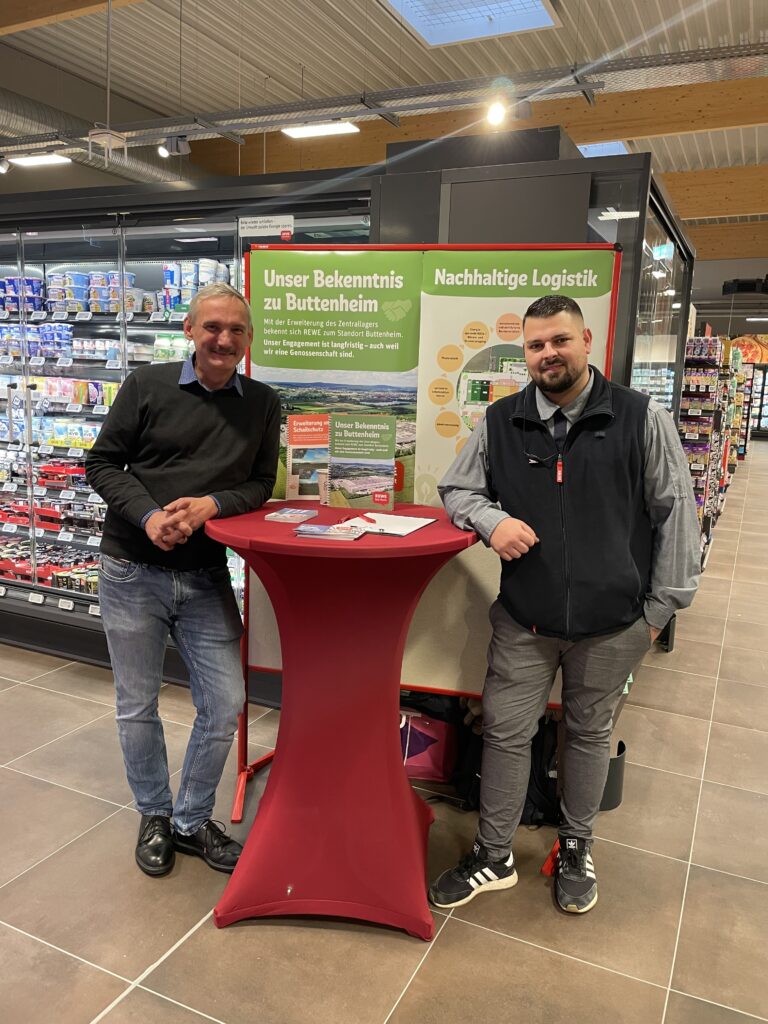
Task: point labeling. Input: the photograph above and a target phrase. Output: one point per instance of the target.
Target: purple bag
(428, 746)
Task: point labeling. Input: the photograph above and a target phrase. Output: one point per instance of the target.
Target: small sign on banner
(267, 227)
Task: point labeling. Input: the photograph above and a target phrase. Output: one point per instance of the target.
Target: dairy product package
(148, 302)
(95, 392)
(55, 280)
(75, 280)
(180, 347)
(76, 305)
(128, 281)
(171, 275)
(74, 434)
(207, 272)
(171, 298)
(89, 433)
(99, 292)
(190, 273)
(222, 273)
(163, 350)
(98, 279)
(23, 286)
(187, 294)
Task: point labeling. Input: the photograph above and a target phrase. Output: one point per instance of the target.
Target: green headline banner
(530, 272)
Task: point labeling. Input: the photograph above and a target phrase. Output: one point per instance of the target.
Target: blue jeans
(140, 606)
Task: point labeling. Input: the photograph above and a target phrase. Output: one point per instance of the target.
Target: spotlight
(4, 165)
(174, 145)
(496, 113)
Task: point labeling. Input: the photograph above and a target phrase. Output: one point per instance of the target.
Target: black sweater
(162, 441)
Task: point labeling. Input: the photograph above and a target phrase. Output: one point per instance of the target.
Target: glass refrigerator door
(657, 335)
(166, 265)
(74, 365)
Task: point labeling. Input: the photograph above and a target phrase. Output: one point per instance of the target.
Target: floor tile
(30, 717)
(748, 601)
(708, 602)
(650, 916)
(726, 963)
(48, 817)
(39, 984)
(746, 636)
(92, 900)
(665, 690)
(732, 831)
(473, 975)
(140, 1007)
(738, 757)
(741, 704)
(691, 625)
(450, 836)
(80, 680)
(5, 684)
(712, 585)
(683, 1009)
(254, 791)
(744, 666)
(657, 812)
(290, 970)
(21, 664)
(263, 730)
(658, 740)
(687, 656)
(90, 760)
(721, 569)
(747, 572)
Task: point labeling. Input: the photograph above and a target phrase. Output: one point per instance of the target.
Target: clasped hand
(178, 521)
(512, 539)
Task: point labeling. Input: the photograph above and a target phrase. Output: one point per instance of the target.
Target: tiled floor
(677, 937)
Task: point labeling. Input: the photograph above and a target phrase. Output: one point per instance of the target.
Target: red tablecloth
(339, 831)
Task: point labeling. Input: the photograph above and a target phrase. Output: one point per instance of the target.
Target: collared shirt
(668, 494)
(187, 376)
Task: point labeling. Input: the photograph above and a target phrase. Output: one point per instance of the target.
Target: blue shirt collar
(188, 376)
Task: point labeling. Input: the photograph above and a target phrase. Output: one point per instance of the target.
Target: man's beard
(557, 386)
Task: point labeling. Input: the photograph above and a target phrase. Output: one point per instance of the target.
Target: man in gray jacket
(582, 488)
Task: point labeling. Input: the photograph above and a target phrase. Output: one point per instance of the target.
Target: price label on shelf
(8, 486)
(17, 402)
(64, 361)
(39, 492)
(43, 405)
(67, 495)
(76, 453)
(698, 465)
(2, 591)
(94, 541)
(74, 407)
(39, 532)
(178, 318)
(66, 536)
(112, 364)
(100, 410)
(691, 435)
(157, 318)
(6, 360)
(93, 609)
(14, 446)
(45, 449)
(38, 314)
(93, 499)
(693, 412)
(124, 318)
(35, 598)
(60, 314)
(9, 527)
(4, 314)
(37, 361)
(66, 604)
(84, 314)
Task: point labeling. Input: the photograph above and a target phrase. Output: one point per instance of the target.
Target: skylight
(604, 149)
(440, 22)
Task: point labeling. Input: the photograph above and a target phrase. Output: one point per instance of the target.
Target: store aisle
(677, 937)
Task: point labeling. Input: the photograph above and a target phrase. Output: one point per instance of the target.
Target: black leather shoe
(155, 854)
(211, 842)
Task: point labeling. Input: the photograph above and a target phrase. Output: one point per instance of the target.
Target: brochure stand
(339, 831)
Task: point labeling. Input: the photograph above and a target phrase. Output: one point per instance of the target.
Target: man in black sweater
(183, 443)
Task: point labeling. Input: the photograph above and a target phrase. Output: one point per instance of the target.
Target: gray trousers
(521, 669)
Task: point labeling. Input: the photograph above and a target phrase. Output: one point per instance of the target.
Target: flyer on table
(361, 467)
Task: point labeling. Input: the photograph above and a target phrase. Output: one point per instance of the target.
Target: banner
(339, 332)
(470, 349)
(344, 331)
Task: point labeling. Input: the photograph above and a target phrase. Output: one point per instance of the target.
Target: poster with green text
(337, 331)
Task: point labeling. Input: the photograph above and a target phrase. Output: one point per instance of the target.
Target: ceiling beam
(18, 15)
(719, 192)
(729, 241)
(672, 110)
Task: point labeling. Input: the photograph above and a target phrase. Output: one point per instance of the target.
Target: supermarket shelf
(78, 539)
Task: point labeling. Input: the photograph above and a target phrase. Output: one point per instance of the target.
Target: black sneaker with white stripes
(575, 881)
(473, 874)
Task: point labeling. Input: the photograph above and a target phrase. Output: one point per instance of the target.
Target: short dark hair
(551, 305)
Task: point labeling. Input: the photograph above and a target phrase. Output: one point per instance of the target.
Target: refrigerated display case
(759, 410)
(81, 306)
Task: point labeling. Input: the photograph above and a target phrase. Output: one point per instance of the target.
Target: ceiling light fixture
(322, 128)
(40, 160)
(205, 238)
(4, 165)
(676, 305)
(496, 113)
(757, 319)
(174, 145)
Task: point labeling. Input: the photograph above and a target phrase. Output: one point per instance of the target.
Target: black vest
(590, 571)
